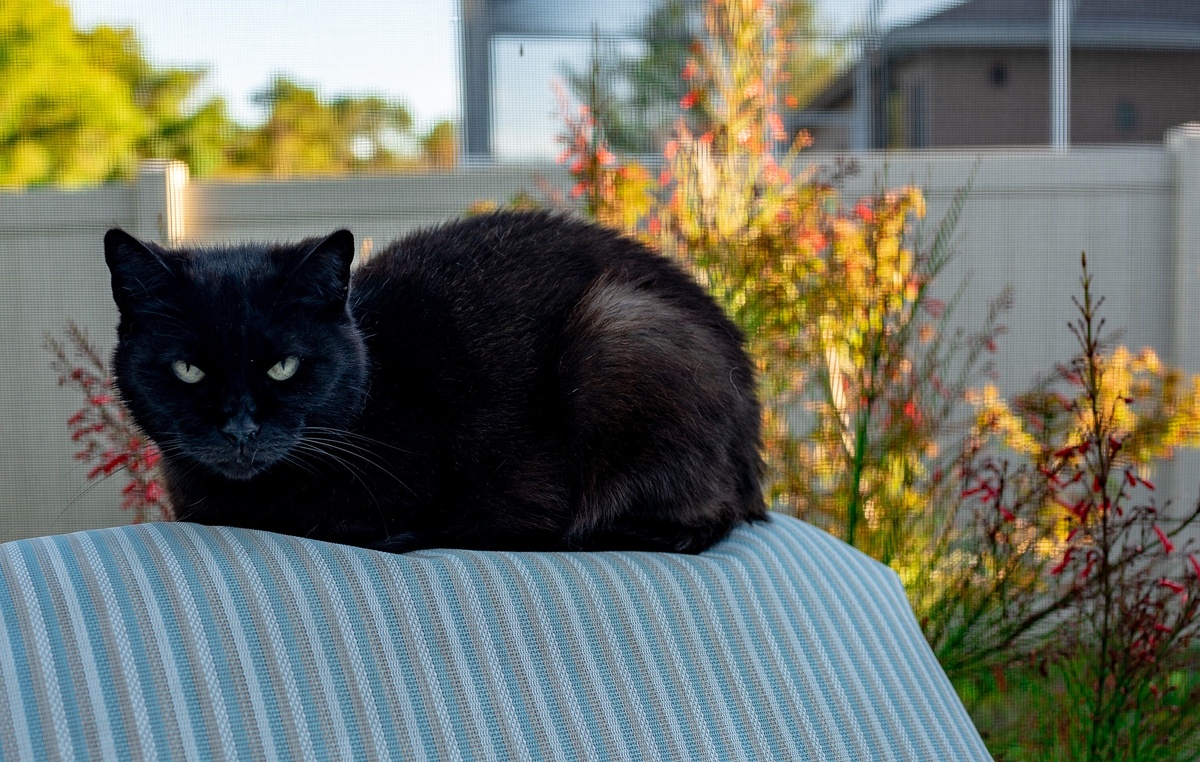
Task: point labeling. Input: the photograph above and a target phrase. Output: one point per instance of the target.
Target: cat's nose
(240, 430)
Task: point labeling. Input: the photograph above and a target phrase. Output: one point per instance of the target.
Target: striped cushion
(176, 641)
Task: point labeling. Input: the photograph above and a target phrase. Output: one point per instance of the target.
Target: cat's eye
(284, 369)
(188, 374)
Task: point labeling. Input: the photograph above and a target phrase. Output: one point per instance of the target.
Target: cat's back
(507, 258)
(510, 269)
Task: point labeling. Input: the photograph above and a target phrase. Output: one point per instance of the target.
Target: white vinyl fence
(1029, 214)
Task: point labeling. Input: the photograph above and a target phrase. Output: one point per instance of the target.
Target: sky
(403, 49)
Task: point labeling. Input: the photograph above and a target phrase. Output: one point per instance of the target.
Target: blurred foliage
(635, 96)
(63, 118)
(84, 107)
(305, 135)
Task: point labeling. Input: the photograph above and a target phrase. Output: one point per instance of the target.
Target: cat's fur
(513, 380)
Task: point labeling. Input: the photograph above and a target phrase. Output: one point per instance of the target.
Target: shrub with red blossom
(103, 431)
(1078, 564)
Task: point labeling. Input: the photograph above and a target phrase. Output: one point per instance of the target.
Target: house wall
(1136, 210)
(1116, 96)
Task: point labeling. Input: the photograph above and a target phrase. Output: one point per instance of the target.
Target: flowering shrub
(1107, 601)
(833, 298)
(107, 439)
(1006, 522)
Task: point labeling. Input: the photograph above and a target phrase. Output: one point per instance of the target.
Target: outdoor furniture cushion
(178, 641)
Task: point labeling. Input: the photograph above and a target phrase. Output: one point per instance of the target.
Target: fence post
(1183, 146)
(161, 213)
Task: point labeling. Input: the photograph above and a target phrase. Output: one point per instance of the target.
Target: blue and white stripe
(176, 641)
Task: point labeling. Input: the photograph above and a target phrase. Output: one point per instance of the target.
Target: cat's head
(225, 355)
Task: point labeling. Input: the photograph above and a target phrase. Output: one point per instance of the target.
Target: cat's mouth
(241, 468)
(242, 464)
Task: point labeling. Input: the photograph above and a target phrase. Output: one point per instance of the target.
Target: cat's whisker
(83, 493)
(360, 437)
(358, 452)
(315, 441)
(350, 448)
(358, 474)
(298, 462)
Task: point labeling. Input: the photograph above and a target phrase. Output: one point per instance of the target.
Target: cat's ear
(323, 271)
(138, 269)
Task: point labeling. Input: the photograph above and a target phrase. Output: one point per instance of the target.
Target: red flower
(688, 100)
(1087, 570)
(1050, 475)
(1168, 546)
(154, 492)
(910, 410)
(1174, 587)
(864, 212)
(1066, 559)
(975, 491)
(1065, 452)
(1195, 564)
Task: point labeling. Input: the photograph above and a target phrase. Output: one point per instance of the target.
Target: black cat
(518, 381)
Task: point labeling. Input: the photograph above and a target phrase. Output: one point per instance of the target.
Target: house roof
(1096, 24)
(1123, 24)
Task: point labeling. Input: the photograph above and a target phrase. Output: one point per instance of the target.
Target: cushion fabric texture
(178, 641)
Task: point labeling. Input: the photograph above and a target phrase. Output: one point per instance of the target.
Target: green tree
(305, 135)
(64, 118)
(79, 107)
(199, 136)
